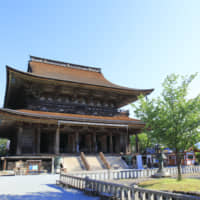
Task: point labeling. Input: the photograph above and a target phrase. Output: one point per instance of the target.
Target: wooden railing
(84, 160)
(133, 173)
(103, 159)
(118, 191)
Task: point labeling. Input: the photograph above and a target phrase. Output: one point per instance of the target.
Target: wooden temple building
(56, 108)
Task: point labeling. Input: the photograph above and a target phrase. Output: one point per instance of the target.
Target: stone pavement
(37, 187)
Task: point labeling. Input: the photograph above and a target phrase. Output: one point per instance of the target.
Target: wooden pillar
(19, 139)
(57, 141)
(116, 148)
(77, 142)
(34, 141)
(89, 137)
(104, 143)
(94, 138)
(73, 144)
(121, 143)
(38, 130)
(126, 143)
(4, 164)
(111, 143)
(69, 143)
(52, 165)
(137, 143)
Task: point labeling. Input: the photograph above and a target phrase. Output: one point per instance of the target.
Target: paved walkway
(37, 187)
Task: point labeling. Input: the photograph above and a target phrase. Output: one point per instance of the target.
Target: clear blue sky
(135, 42)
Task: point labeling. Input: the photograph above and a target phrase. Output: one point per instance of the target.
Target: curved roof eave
(7, 84)
(128, 90)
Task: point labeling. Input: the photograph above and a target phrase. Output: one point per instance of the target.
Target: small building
(57, 108)
(188, 159)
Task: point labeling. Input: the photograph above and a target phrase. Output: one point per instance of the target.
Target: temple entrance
(114, 144)
(99, 143)
(82, 143)
(108, 144)
(46, 143)
(27, 141)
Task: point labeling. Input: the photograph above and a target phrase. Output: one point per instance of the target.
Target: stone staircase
(94, 162)
(116, 162)
(72, 163)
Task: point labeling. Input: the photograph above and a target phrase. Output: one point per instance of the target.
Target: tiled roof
(74, 73)
(71, 74)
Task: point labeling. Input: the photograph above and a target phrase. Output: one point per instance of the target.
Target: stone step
(72, 163)
(116, 162)
(94, 162)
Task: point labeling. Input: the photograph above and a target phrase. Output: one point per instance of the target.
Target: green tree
(197, 155)
(145, 141)
(173, 120)
(3, 143)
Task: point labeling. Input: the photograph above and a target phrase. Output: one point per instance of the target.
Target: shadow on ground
(60, 194)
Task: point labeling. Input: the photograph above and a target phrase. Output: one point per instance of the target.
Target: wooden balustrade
(105, 162)
(85, 162)
(118, 191)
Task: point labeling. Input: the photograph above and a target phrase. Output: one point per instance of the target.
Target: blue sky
(137, 43)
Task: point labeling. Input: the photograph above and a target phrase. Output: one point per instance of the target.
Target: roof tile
(66, 73)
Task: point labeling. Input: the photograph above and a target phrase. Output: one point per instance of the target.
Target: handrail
(118, 191)
(103, 159)
(133, 173)
(85, 162)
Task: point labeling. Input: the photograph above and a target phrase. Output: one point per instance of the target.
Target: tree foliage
(145, 141)
(3, 143)
(172, 119)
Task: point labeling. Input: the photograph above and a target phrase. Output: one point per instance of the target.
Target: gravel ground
(37, 187)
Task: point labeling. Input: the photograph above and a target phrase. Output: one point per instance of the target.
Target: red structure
(188, 159)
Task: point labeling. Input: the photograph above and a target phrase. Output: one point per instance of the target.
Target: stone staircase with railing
(94, 162)
(72, 163)
(116, 162)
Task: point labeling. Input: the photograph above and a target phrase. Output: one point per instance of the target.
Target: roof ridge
(64, 64)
